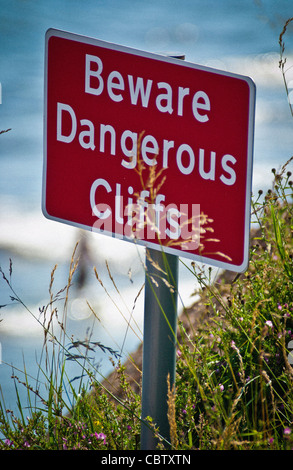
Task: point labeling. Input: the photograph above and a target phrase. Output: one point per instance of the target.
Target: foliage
(234, 384)
(234, 374)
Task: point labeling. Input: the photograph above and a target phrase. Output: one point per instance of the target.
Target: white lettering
(142, 205)
(153, 148)
(89, 59)
(173, 211)
(159, 208)
(107, 128)
(167, 145)
(205, 105)
(130, 153)
(228, 159)
(113, 85)
(181, 93)
(99, 182)
(118, 205)
(185, 148)
(211, 174)
(90, 134)
(167, 108)
(139, 89)
(61, 137)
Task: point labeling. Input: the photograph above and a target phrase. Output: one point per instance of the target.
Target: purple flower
(287, 431)
(101, 436)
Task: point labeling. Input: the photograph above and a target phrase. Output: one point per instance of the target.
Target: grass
(234, 384)
(234, 375)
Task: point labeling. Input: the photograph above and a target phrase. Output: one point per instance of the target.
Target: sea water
(240, 37)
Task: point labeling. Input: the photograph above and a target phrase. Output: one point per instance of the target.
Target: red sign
(149, 149)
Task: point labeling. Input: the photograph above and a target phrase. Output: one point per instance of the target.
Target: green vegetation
(234, 375)
(234, 384)
(234, 380)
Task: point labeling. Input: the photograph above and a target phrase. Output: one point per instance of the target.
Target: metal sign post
(159, 345)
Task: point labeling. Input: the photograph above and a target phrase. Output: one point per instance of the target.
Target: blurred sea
(240, 36)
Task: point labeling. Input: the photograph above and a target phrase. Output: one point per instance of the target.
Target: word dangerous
(184, 155)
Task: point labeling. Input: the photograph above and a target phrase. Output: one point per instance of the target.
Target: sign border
(51, 32)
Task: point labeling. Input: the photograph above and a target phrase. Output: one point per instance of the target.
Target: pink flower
(101, 436)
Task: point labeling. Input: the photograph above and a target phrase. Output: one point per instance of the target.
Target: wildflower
(271, 440)
(287, 431)
(64, 443)
(129, 427)
(269, 323)
(184, 411)
(233, 345)
(221, 386)
(101, 436)
(8, 442)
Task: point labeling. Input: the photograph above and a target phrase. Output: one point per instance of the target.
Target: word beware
(138, 88)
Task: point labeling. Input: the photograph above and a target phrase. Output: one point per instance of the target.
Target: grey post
(159, 343)
(159, 339)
